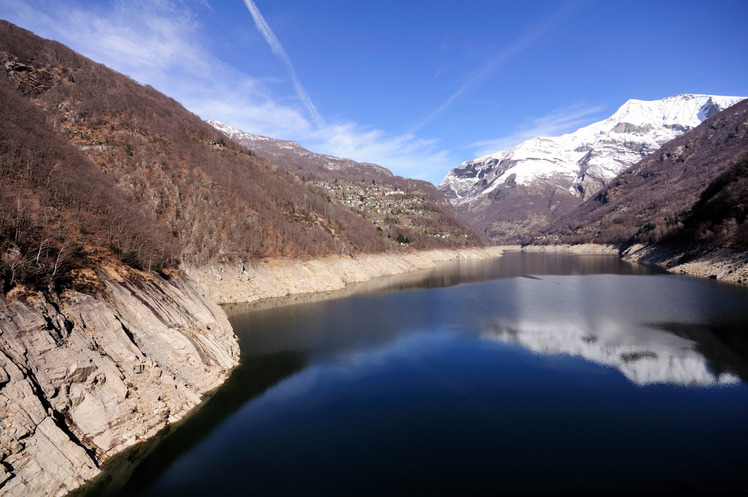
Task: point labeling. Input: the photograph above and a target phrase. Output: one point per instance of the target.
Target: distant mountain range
(309, 165)
(515, 192)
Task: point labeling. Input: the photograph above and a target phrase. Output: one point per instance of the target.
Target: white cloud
(555, 123)
(416, 157)
(159, 43)
(277, 48)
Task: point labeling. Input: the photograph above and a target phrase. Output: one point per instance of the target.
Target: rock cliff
(84, 377)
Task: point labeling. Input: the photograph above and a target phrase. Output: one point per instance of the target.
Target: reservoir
(527, 374)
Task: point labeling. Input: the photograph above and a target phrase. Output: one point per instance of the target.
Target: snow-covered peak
(582, 162)
(685, 110)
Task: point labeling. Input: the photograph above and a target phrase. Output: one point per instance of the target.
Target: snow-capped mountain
(549, 175)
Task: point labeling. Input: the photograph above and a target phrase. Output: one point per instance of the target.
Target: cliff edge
(84, 377)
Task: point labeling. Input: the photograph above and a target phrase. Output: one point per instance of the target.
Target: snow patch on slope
(583, 161)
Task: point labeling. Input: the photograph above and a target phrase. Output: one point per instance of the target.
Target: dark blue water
(529, 374)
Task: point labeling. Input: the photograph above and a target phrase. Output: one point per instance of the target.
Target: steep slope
(513, 192)
(96, 352)
(687, 199)
(292, 156)
(58, 211)
(174, 166)
(405, 211)
(82, 377)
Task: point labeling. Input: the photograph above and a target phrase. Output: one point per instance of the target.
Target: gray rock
(84, 378)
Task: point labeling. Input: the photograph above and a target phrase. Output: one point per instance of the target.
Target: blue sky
(415, 86)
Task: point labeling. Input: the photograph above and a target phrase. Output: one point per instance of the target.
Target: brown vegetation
(95, 163)
(418, 212)
(57, 208)
(693, 190)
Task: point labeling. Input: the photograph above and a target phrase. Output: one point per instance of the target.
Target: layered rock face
(82, 378)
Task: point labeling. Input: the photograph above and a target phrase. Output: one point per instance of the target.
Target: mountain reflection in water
(660, 359)
(527, 374)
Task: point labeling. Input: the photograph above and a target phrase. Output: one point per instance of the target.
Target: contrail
(499, 60)
(278, 50)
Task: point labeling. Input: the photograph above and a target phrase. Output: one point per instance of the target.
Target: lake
(530, 373)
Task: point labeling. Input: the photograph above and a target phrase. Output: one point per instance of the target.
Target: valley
(126, 220)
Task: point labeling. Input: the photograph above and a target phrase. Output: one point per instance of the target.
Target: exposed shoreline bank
(274, 278)
(84, 377)
(719, 264)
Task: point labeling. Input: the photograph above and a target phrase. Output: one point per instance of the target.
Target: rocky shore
(720, 264)
(82, 377)
(273, 278)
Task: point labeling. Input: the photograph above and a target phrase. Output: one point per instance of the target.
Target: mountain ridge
(512, 192)
(275, 149)
(685, 193)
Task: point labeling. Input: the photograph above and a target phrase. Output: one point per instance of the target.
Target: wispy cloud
(499, 60)
(557, 122)
(416, 157)
(277, 48)
(158, 42)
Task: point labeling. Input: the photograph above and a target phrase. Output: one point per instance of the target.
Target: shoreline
(721, 264)
(85, 377)
(250, 282)
(298, 280)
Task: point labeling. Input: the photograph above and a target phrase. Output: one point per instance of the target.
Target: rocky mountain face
(83, 377)
(515, 192)
(691, 195)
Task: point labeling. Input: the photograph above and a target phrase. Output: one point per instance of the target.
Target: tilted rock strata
(81, 378)
(272, 278)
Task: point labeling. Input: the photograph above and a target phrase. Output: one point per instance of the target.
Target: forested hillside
(694, 191)
(406, 211)
(96, 166)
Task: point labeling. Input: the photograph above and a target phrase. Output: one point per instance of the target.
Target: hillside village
(390, 209)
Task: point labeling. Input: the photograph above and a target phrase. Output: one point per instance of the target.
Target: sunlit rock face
(515, 190)
(83, 378)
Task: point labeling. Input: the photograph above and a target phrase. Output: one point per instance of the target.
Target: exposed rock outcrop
(82, 378)
(716, 263)
(272, 278)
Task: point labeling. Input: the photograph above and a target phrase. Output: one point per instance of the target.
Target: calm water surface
(525, 374)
